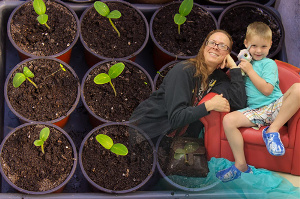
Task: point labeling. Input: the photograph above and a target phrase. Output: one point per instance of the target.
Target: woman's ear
(246, 43)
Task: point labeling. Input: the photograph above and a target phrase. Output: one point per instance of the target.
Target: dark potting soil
(101, 38)
(192, 33)
(28, 168)
(37, 39)
(56, 93)
(162, 74)
(132, 87)
(118, 172)
(236, 20)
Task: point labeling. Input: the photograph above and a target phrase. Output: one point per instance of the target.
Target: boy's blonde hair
(260, 29)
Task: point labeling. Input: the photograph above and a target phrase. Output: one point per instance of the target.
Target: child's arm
(261, 84)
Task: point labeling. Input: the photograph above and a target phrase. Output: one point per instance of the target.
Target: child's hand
(228, 62)
(246, 66)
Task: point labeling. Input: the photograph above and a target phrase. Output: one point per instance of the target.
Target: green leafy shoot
(184, 9)
(61, 68)
(19, 78)
(107, 142)
(160, 74)
(113, 72)
(188, 148)
(40, 8)
(103, 10)
(44, 134)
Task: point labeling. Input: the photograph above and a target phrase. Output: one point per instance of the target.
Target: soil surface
(162, 74)
(56, 93)
(37, 39)
(132, 87)
(236, 20)
(192, 33)
(102, 39)
(118, 172)
(28, 168)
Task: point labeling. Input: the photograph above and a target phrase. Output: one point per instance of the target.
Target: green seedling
(107, 142)
(113, 72)
(40, 8)
(61, 68)
(19, 78)
(103, 10)
(184, 9)
(160, 74)
(188, 148)
(44, 134)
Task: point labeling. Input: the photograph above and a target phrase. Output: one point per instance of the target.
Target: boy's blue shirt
(267, 69)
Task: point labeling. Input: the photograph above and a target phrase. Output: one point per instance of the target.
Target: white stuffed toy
(244, 54)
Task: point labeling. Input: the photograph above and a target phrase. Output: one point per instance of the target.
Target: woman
(170, 107)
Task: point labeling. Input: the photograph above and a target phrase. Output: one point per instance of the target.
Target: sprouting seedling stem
(19, 78)
(44, 134)
(40, 8)
(160, 74)
(113, 72)
(107, 142)
(61, 68)
(103, 10)
(185, 8)
(188, 148)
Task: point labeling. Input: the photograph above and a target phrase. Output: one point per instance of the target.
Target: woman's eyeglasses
(220, 46)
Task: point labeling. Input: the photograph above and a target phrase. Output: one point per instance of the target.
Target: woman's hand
(228, 62)
(217, 103)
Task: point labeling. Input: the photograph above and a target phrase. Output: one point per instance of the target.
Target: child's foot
(273, 142)
(231, 173)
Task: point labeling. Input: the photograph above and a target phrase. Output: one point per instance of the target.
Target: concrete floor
(290, 16)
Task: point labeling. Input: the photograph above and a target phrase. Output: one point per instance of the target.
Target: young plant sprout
(44, 134)
(160, 74)
(40, 8)
(103, 10)
(113, 72)
(19, 78)
(61, 68)
(188, 148)
(184, 9)
(107, 142)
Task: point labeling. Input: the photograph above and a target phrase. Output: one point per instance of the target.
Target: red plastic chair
(255, 150)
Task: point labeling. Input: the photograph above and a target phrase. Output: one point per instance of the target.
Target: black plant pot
(162, 73)
(246, 13)
(58, 139)
(107, 177)
(190, 39)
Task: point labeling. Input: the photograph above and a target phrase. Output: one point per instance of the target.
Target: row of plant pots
(99, 37)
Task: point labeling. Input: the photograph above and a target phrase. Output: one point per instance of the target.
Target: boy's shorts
(265, 115)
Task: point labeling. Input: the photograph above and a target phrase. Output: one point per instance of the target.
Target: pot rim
(97, 65)
(173, 183)
(115, 124)
(21, 117)
(265, 9)
(163, 68)
(75, 158)
(126, 57)
(72, 44)
(155, 41)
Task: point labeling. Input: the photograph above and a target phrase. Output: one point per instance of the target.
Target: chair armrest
(294, 138)
(212, 125)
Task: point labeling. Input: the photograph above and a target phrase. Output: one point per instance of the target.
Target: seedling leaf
(102, 78)
(116, 70)
(101, 8)
(186, 7)
(18, 79)
(191, 147)
(179, 19)
(27, 72)
(42, 19)
(38, 142)
(39, 7)
(119, 149)
(105, 141)
(115, 14)
(44, 134)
